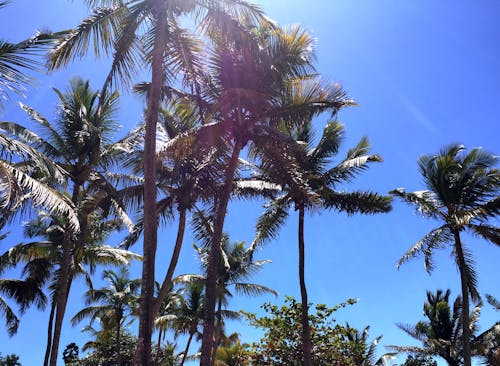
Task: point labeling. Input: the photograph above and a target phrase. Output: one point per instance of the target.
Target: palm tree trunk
(184, 355)
(143, 352)
(64, 282)
(306, 334)
(465, 299)
(167, 282)
(218, 331)
(49, 333)
(214, 257)
(63, 296)
(158, 347)
(118, 334)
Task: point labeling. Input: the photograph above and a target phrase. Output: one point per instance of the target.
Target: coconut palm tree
(363, 352)
(259, 78)
(149, 28)
(322, 192)
(79, 143)
(115, 302)
(441, 332)
(188, 314)
(462, 191)
(43, 258)
(236, 266)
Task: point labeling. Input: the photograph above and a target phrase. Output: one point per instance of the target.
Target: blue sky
(425, 73)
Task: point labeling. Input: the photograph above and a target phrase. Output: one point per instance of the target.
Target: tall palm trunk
(60, 311)
(64, 282)
(214, 257)
(167, 282)
(465, 299)
(306, 334)
(143, 353)
(184, 355)
(49, 333)
(118, 334)
(218, 332)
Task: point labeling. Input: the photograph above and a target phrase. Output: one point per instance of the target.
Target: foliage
(9, 360)
(332, 344)
(419, 360)
(440, 333)
(70, 354)
(104, 352)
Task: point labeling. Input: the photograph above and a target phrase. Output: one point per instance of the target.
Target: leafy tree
(70, 354)
(463, 193)
(323, 191)
(419, 360)
(9, 360)
(332, 344)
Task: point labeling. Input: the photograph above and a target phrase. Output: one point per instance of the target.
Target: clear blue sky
(425, 73)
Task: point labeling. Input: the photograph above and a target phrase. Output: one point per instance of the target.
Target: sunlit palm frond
(435, 239)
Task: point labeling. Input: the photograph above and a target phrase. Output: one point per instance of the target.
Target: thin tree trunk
(143, 352)
(218, 331)
(306, 336)
(167, 282)
(64, 282)
(158, 347)
(118, 334)
(214, 257)
(60, 311)
(184, 355)
(465, 300)
(49, 333)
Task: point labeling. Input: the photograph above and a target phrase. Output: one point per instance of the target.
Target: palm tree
(43, 259)
(188, 314)
(235, 267)
(117, 25)
(463, 193)
(441, 332)
(259, 78)
(115, 303)
(322, 191)
(79, 144)
(363, 352)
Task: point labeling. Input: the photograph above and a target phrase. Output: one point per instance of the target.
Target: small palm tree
(441, 332)
(463, 193)
(115, 303)
(236, 266)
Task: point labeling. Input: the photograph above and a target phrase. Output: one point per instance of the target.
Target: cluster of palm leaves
(243, 85)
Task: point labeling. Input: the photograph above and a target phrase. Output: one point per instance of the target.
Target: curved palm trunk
(143, 352)
(167, 282)
(218, 332)
(184, 355)
(214, 257)
(306, 334)
(49, 333)
(465, 299)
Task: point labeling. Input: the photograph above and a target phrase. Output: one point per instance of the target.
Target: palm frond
(435, 239)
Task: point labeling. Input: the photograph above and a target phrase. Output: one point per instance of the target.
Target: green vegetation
(231, 113)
